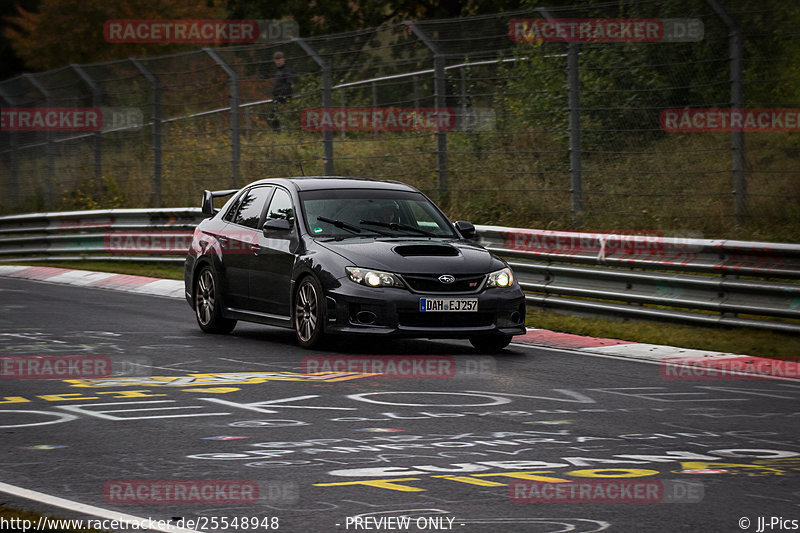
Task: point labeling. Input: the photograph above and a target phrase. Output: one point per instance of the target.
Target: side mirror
(276, 224)
(466, 229)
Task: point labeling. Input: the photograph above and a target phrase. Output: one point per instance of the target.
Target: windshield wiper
(346, 225)
(396, 226)
(340, 224)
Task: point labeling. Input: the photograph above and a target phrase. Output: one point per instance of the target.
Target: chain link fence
(539, 130)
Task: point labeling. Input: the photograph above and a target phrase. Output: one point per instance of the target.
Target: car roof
(312, 183)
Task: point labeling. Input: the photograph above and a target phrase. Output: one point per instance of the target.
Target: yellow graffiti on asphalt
(532, 475)
(235, 378)
(766, 467)
(751, 470)
(788, 463)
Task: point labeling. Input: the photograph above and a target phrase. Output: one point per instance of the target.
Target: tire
(310, 313)
(490, 343)
(208, 305)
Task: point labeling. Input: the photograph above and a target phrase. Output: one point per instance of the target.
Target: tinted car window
(356, 206)
(281, 207)
(233, 208)
(251, 206)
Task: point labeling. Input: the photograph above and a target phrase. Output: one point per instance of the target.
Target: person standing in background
(281, 88)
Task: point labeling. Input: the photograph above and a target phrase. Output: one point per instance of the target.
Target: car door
(270, 280)
(239, 242)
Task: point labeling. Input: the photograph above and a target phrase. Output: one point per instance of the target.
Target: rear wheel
(207, 304)
(490, 343)
(309, 313)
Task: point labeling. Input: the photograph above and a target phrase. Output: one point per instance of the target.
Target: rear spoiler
(208, 200)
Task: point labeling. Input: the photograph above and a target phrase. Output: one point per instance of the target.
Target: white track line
(90, 510)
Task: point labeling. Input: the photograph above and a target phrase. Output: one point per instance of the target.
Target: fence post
(327, 102)
(374, 105)
(13, 183)
(98, 139)
(575, 162)
(736, 79)
(341, 104)
(157, 167)
(235, 146)
(574, 103)
(49, 148)
(440, 102)
(464, 121)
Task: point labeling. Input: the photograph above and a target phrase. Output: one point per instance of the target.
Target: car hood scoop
(418, 256)
(426, 250)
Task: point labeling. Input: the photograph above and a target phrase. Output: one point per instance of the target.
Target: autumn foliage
(62, 32)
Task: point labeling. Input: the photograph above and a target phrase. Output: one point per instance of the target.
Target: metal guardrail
(706, 282)
(162, 235)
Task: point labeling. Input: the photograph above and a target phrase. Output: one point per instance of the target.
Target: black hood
(410, 256)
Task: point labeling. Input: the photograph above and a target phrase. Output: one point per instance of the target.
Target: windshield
(370, 212)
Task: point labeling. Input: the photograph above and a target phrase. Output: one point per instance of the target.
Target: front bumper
(359, 310)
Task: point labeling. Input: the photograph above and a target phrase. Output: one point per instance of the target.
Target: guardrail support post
(235, 145)
(736, 79)
(327, 102)
(440, 102)
(49, 147)
(157, 166)
(98, 139)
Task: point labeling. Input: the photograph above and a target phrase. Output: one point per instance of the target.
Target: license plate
(450, 305)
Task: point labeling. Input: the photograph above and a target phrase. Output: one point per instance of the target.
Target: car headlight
(373, 278)
(501, 278)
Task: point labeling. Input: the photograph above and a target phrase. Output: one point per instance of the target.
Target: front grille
(464, 283)
(442, 320)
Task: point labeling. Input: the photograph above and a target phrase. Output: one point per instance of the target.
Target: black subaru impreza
(330, 255)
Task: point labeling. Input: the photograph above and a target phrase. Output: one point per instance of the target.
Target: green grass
(676, 185)
(753, 342)
(153, 270)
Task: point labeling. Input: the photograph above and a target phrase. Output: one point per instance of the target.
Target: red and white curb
(100, 280)
(708, 364)
(676, 363)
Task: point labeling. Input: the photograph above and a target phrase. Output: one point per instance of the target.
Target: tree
(60, 32)
(11, 64)
(336, 16)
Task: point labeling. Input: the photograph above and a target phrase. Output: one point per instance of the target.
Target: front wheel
(490, 343)
(207, 304)
(309, 313)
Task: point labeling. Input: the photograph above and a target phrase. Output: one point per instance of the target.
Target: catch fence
(538, 130)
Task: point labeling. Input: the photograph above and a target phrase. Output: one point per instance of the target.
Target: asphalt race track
(290, 442)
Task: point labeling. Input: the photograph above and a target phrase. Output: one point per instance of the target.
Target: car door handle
(222, 239)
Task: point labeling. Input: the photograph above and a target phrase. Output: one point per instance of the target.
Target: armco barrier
(708, 282)
(116, 234)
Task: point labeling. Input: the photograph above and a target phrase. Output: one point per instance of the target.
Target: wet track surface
(460, 446)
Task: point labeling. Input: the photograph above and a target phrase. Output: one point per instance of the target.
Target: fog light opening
(365, 317)
(516, 317)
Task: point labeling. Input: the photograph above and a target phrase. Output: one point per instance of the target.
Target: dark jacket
(282, 85)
